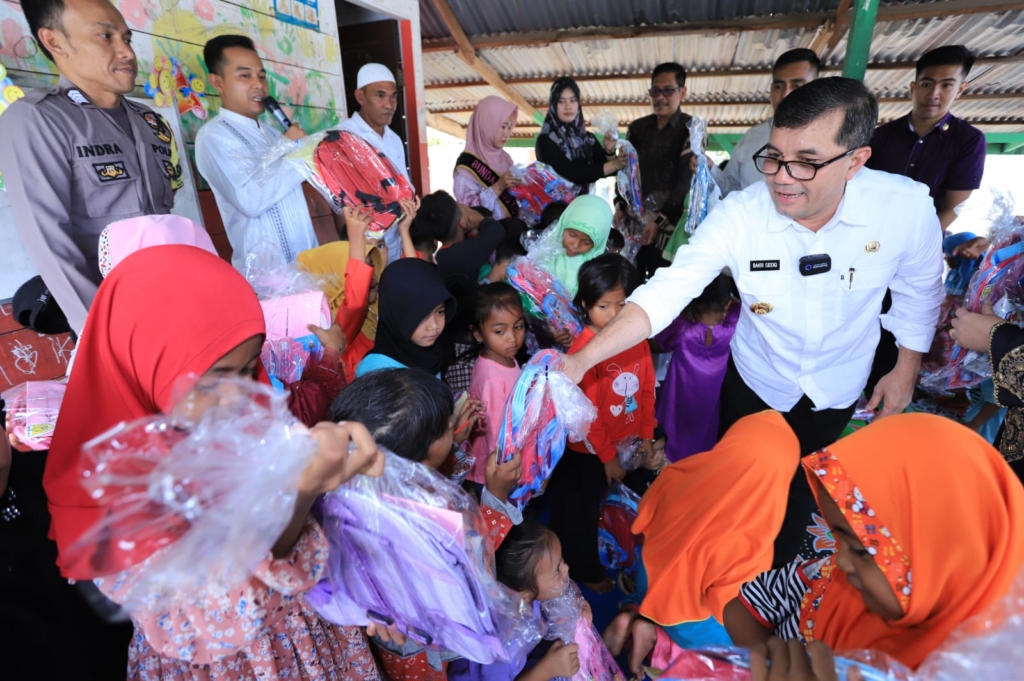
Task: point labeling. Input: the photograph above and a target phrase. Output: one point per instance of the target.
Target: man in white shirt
(265, 213)
(812, 250)
(792, 69)
(377, 95)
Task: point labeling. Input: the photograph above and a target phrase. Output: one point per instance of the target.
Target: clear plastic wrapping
(544, 297)
(984, 648)
(32, 410)
(617, 546)
(541, 186)
(563, 617)
(999, 282)
(700, 185)
(410, 549)
(627, 180)
(631, 453)
(347, 171)
(544, 409)
(204, 491)
(291, 300)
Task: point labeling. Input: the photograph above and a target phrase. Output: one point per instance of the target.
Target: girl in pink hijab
(482, 176)
(122, 238)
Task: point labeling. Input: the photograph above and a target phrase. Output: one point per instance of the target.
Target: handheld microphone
(275, 108)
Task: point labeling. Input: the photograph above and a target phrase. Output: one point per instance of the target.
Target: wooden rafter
(446, 125)
(467, 53)
(725, 73)
(907, 12)
(842, 23)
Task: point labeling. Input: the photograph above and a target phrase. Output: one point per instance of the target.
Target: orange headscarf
(943, 514)
(709, 521)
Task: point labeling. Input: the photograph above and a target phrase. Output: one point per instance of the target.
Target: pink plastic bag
(288, 316)
(33, 408)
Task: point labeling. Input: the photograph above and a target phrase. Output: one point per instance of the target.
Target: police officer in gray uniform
(79, 156)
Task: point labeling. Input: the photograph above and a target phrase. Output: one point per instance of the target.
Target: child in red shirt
(622, 390)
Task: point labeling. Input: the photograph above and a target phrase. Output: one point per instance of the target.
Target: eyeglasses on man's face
(663, 91)
(798, 170)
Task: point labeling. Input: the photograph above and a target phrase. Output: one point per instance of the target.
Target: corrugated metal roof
(480, 18)
(738, 98)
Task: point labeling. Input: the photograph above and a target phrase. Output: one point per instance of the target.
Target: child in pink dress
(499, 326)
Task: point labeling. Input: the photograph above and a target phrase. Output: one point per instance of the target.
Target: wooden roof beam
(446, 125)
(908, 12)
(725, 73)
(467, 53)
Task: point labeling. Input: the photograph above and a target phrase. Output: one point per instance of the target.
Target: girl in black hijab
(414, 308)
(565, 145)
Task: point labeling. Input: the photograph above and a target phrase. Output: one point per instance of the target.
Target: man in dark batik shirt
(934, 147)
(662, 143)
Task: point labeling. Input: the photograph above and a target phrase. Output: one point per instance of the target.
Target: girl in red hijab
(132, 358)
(929, 522)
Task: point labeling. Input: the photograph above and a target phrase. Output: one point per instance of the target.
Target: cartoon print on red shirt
(627, 385)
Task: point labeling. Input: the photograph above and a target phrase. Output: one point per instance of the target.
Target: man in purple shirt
(930, 144)
(934, 147)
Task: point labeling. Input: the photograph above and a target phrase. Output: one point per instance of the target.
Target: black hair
(796, 56)
(423, 238)
(615, 241)
(604, 273)
(551, 214)
(714, 298)
(516, 559)
(44, 14)
(947, 55)
(405, 410)
(437, 217)
(673, 68)
(508, 249)
(821, 97)
(486, 300)
(213, 51)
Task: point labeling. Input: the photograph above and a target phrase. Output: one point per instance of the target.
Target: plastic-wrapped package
(630, 453)
(628, 179)
(999, 282)
(348, 171)
(544, 409)
(33, 408)
(544, 297)
(205, 491)
(288, 316)
(285, 358)
(541, 186)
(700, 185)
(563, 617)
(410, 549)
(617, 546)
(733, 664)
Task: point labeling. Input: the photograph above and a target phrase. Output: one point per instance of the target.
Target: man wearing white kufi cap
(377, 95)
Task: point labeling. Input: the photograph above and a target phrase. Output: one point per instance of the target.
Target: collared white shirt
(393, 147)
(818, 333)
(741, 172)
(264, 211)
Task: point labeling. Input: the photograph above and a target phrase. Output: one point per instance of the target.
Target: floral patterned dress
(264, 631)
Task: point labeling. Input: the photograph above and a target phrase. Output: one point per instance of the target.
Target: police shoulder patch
(111, 172)
(77, 97)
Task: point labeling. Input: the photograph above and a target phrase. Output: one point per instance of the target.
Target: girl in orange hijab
(709, 524)
(929, 522)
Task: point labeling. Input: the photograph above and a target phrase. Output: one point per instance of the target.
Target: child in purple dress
(699, 342)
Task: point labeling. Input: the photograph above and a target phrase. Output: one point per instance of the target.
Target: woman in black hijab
(565, 145)
(414, 307)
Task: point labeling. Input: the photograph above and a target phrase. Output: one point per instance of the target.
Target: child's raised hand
(344, 449)
(409, 210)
(332, 338)
(471, 412)
(562, 338)
(357, 220)
(501, 478)
(562, 660)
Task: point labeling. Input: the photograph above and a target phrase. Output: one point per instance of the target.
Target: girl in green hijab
(581, 234)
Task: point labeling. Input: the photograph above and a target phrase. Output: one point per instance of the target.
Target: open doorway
(367, 36)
